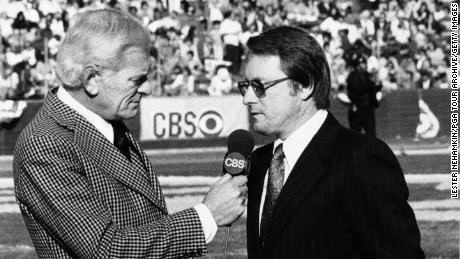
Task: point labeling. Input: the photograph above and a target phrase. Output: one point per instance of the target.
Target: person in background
(221, 82)
(230, 31)
(362, 93)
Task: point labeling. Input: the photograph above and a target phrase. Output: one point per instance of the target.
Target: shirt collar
(97, 121)
(295, 144)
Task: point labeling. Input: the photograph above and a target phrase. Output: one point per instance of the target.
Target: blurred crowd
(199, 46)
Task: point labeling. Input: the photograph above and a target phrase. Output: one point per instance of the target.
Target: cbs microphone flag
(191, 117)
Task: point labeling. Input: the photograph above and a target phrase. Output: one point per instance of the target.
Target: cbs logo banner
(191, 117)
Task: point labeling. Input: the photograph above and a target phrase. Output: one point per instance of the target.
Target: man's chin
(128, 115)
(261, 130)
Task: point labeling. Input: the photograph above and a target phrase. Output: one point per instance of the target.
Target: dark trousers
(233, 54)
(362, 119)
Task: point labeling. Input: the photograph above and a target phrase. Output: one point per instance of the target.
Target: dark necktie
(274, 186)
(119, 138)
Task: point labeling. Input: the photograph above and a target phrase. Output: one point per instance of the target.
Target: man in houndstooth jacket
(81, 193)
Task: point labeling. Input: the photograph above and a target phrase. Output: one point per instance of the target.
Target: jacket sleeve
(54, 192)
(375, 205)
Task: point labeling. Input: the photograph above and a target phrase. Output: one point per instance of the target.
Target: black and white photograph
(259, 129)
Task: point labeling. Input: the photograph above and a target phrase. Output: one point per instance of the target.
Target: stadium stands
(406, 43)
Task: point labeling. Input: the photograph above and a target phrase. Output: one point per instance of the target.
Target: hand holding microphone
(227, 196)
(226, 199)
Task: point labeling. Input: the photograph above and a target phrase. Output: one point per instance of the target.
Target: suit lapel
(109, 159)
(150, 173)
(257, 174)
(105, 155)
(311, 166)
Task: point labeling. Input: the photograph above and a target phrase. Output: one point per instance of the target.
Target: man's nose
(249, 97)
(145, 88)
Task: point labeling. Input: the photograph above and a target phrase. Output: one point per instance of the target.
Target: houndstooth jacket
(81, 198)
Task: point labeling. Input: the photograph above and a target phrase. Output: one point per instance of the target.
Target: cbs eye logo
(180, 125)
(211, 124)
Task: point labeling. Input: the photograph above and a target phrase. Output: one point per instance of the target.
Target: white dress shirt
(105, 128)
(293, 146)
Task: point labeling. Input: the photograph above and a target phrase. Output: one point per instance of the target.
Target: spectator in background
(145, 13)
(31, 14)
(13, 8)
(65, 20)
(216, 41)
(423, 16)
(53, 45)
(425, 81)
(49, 7)
(9, 81)
(5, 26)
(221, 82)
(400, 31)
(192, 63)
(441, 81)
(186, 45)
(272, 17)
(250, 32)
(312, 13)
(366, 22)
(422, 60)
(174, 87)
(28, 54)
(296, 11)
(350, 17)
(250, 12)
(133, 11)
(188, 84)
(385, 76)
(407, 65)
(20, 22)
(215, 13)
(12, 56)
(56, 25)
(441, 18)
(406, 79)
(435, 54)
(230, 31)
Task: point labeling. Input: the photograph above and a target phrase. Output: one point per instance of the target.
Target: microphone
(239, 145)
(237, 160)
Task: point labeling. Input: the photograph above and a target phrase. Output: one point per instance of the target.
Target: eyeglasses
(258, 86)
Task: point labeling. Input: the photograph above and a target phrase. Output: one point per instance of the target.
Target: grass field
(428, 178)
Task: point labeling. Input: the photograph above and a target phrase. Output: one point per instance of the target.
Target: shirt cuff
(207, 221)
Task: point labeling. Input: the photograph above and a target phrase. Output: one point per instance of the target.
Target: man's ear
(91, 78)
(306, 92)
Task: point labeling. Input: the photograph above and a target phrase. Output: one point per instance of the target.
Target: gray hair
(98, 38)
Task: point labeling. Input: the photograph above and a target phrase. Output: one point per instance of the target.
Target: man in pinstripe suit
(320, 190)
(84, 186)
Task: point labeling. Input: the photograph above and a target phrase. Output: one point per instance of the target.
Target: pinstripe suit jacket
(81, 198)
(346, 197)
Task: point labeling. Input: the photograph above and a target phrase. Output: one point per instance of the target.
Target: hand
(226, 199)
